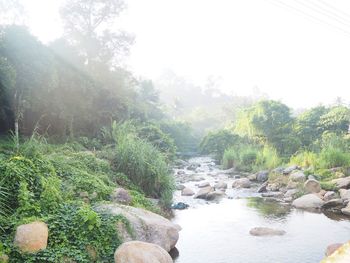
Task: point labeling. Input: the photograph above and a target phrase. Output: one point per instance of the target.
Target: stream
(218, 231)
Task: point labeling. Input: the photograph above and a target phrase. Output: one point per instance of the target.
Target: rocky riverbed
(240, 217)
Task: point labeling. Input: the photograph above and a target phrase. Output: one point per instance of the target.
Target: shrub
(333, 157)
(304, 159)
(267, 158)
(328, 186)
(216, 142)
(145, 166)
(230, 157)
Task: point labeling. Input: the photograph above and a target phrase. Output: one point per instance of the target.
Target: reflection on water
(219, 233)
(269, 208)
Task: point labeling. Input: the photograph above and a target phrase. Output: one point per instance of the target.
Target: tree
(336, 120)
(87, 26)
(307, 125)
(268, 122)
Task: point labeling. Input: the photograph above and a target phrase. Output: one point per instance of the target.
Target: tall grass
(333, 157)
(145, 166)
(267, 158)
(304, 159)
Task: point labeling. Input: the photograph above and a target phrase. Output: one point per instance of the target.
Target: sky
(296, 51)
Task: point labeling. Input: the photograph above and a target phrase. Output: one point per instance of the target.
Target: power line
(307, 15)
(322, 11)
(335, 9)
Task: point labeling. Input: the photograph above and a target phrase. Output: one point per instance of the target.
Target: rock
(141, 252)
(179, 206)
(332, 248)
(262, 176)
(346, 210)
(203, 184)
(342, 183)
(187, 192)
(290, 169)
(341, 255)
(291, 193)
(344, 194)
(330, 195)
(180, 162)
(336, 204)
(193, 166)
(31, 237)
(181, 172)
(272, 194)
(265, 231)
(273, 187)
(297, 176)
(241, 183)
(292, 185)
(215, 195)
(146, 226)
(180, 187)
(278, 170)
(263, 187)
(311, 177)
(220, 185)
(309, 201)
(312, 186)
(120, 195)
(203, 192)
(252, 177)
(228, 171)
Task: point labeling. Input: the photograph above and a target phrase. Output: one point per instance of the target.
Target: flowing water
(218, 232)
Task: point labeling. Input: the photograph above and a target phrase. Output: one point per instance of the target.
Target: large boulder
(263, 188)
(265, 231)
(187, 192)
(346, 210)
(120, 195)
(215, 195)
(334, 204)
(290, 169)
(262, 176)
(312, 186)
(220, 185)
(146, 226)
(204, 184)
(31, 237)
(297, 176)
(141, 252)
(342, 183)
(329, 195)
(309, 201)
(203, 192)
(291, 193)
(241, 183)
(344, 194)
(341, 255)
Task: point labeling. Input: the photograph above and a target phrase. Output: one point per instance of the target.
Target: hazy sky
(297, 51)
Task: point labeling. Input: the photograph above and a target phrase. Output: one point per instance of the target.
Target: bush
(304, 159)
(145, 166)
(217, 142)
(230, 157)
(333, 157)
(267, 158)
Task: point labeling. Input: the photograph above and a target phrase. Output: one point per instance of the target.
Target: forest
(79, 131)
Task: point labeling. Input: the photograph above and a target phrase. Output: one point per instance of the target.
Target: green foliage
(333, 157)
(307, 125)
(304, 159)
(74, 230)
(336, 120)
(217, 142)
(251, 158)
(328, 186)
(182, 134)
(139, 200)
(267, 122)
(145, 166)
(162, 141)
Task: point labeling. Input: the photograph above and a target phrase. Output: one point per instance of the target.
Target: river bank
(218, 230)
